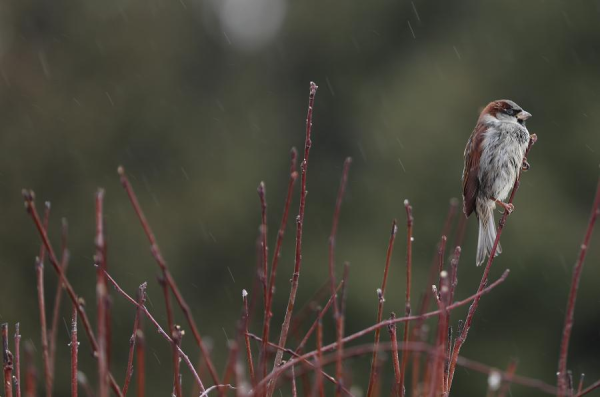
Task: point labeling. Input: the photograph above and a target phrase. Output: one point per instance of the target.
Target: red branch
(246, 319)
(381, 294)
(337, 315)
(29, 205)
(140, 361)
(18, 360)
(299, 227)
(320, 316)
(462, 361)
(460, 340)
(570, 313)
(285, 366)
(395, 360)
(407, 310)
(101, 296)
(64, 260)
(159, 329)
(132, 340)
(162, 264)
(279, 243)
(74, 347)
(263, 274)
(7, 361)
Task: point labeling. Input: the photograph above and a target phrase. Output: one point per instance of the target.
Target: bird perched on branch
(494, 155)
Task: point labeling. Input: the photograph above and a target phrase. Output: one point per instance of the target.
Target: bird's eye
(510, 112)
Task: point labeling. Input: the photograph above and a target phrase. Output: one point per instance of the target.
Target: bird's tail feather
(487, 230)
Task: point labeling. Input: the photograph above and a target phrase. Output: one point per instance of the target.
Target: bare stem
(29, 204)
(74, 349)
(570, 313)
(101, 296)
(247, 339)
(263, 274)
(140, 361)
(285, 366)
(319, 377)
(337, 315)
(407, 310)
(7, 361)
(510, 372)
(380, 295)
(313, 327)
(299, 227)
(159, 329)
(64, 261)
(395, 360)
(17, 363)
(360, 350)
(162, 264)
(278, 245)
(39, 272)
(132, 340)
(460, 340)
(30, 372)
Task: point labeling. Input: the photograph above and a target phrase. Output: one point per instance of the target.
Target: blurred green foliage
(200, 108)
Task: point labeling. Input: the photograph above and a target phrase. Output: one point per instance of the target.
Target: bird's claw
(525, 166)
(533, 138)
(508, 207)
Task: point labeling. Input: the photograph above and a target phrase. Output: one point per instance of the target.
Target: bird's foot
(525, 166)
(507, 207)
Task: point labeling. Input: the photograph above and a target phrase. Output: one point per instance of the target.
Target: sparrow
(494, 156)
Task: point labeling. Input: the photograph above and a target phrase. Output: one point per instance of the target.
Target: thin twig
(247, 339)
(589, 389)
(132, 340)
(7, 361)
(140, 361)
(407, 310)
(74, 347)
(30, 206)
(263, 275)
(303, 314)
(320, 388)
(176, 335)
(313, 327)
(284, 366)
(339, 369)
(159, 329)
(278, 245)
(101, 296)
(581, 379)
(360, 350)
(299, 227)
(425, 300)
(570, 313)
(156, 253)
(17, 363)
(305, 362)
(294, 391)
(217, 388)
(392, 330)
(381, 299)
(460, 340)
(39, 273)
(30, 372)
(510, 372)
(64, 261)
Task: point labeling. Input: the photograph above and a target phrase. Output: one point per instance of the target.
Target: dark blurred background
(201, 100)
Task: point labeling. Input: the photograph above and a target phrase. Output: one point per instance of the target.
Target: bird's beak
(523, 115)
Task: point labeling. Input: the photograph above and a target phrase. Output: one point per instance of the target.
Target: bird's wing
(470, 177)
